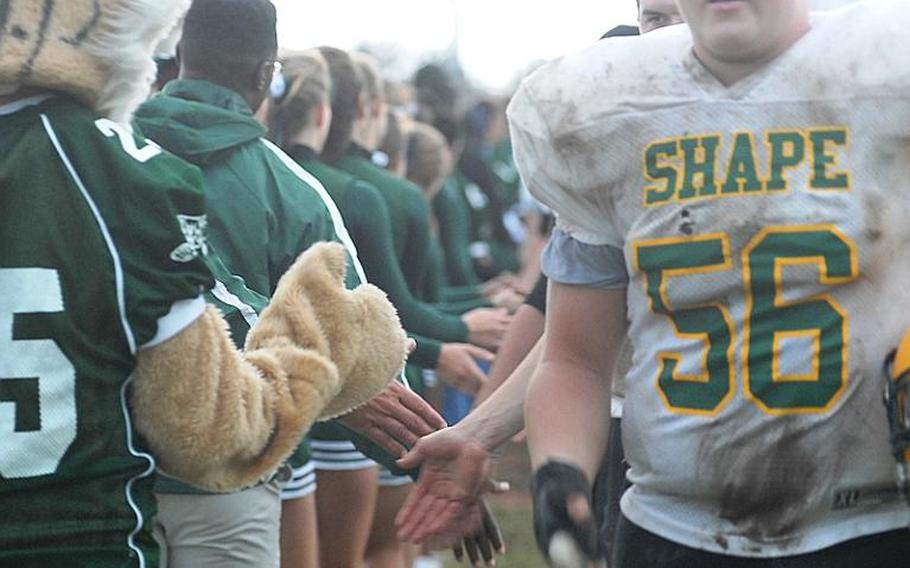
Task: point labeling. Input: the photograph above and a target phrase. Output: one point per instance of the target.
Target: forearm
(568, 407)
(523, 335)
(501, 416)
(567, 415)
(218, 419)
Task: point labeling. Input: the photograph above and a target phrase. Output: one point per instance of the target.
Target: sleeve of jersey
(545, 172)
(569, 261)
(150, 204)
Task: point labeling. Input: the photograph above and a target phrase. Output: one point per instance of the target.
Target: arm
(454, 235)
(570, 392)
(568, 416)
(455, 462)
(526, 330)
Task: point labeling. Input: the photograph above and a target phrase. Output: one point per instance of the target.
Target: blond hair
(428, 156)
(373, 84)
(307, 85)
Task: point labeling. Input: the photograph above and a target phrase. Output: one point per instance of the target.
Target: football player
(730, 188)
(656, 14)
(110, 361)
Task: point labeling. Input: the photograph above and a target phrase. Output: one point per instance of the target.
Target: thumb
(475, 379)
(412, 459)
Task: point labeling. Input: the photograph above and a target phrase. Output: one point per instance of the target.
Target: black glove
(556, 485)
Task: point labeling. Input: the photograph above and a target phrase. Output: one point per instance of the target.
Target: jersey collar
(14, 107)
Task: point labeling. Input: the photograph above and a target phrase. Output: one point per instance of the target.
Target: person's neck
(193, 75)
(364, 136)
(731, 72)
(311, 138)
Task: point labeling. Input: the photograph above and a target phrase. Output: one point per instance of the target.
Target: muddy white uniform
(764, 230)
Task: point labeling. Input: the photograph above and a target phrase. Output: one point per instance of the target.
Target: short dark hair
(223, 36)
(620, 31)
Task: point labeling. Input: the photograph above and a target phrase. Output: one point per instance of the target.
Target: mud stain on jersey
(874, 215)
(766, 479)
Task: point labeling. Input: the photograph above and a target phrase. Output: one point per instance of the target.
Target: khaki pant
(234, 530)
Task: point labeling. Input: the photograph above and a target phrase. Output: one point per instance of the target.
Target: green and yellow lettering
(824, 159)
(788, 150)
(742, 173)
(658, 170)
(700, 155)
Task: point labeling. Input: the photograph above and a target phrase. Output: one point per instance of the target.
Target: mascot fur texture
(98, 51)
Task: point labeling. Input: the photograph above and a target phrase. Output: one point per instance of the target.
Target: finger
(471, 548)
(473, 380)
(448, 518)
(411, 346)
(423, 410)
(412, 458)
(423, 510)
(578, 509)
(491, 528)
(385, 441)
(481, 353)
(486, 550)
(398, 417)
(458, 551)
(399, 432)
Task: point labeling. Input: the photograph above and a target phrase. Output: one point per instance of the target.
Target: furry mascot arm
(221, 419)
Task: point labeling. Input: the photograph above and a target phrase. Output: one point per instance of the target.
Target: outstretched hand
(394, 419)
(454, 472)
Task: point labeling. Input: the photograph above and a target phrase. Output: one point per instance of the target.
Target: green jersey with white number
(101, 246)
(764, 226)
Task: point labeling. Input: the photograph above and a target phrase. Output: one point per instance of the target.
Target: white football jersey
(769, 270)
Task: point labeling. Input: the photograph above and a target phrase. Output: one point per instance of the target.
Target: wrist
(480, 431)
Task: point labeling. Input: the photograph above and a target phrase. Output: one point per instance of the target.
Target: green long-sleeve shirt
(454, 217)
(408, 212)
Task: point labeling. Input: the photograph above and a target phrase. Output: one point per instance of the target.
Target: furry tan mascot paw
(361, 332)
(318, 351)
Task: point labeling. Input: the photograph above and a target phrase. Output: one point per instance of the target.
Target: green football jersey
(101, 246)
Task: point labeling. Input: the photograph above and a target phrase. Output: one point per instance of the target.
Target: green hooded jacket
(255, 202)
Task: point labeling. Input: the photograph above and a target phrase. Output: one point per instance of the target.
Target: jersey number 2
(769, 320)
(37, 381)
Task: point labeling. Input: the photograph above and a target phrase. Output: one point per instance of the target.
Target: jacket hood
(198, 120)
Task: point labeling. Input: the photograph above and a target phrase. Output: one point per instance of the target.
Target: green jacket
(261, 215)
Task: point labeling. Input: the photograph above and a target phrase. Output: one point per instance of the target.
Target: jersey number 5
(37, 381)
(769, 320)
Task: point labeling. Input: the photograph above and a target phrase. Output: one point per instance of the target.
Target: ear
(320, 115)
(362, 107)
(264, 74)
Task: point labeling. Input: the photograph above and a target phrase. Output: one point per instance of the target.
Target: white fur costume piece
(99, 51)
